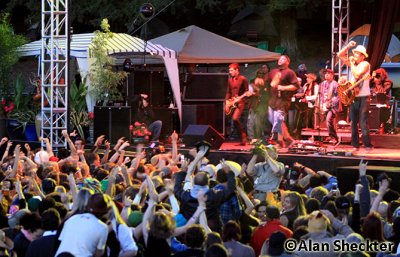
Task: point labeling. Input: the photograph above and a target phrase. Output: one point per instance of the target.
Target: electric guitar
(232, 104)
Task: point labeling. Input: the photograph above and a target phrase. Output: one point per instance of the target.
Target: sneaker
(369, 148)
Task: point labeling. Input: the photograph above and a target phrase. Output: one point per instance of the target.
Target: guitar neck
(367, 76)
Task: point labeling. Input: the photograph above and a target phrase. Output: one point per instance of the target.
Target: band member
(381, 82)
(359, 109)
(328, 104)
(304, 102)
(238, 86)
(284, 84)
(257, 110)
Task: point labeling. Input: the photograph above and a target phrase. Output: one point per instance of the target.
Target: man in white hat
(267, 174)
(359, 109)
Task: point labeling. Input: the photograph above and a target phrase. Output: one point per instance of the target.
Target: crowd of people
(315, 101)
(77, 203)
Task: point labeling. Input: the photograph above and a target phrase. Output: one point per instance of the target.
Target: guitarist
(359, 109)
(328, 104)
(237, 85)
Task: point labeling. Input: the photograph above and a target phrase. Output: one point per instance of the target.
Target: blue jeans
(330, 118)
(155, 129)
(276, 117)
(359, 116)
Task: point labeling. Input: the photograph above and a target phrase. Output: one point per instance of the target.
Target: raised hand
(17, 150)
(121, 141)
(174, 137)
(127, 201)
(3, 140)
(352, 43)
(362, 167)
(124, 145)
(107, 145)
(127, 159)
(73, 133)
(384, 187)
(64, 133)
(99, 141)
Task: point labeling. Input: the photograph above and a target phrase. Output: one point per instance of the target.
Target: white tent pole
(171, 66)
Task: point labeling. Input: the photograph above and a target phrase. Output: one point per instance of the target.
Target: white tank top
(364, 87)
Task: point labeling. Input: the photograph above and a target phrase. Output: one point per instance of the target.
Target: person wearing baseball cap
(359, 77)
(327, 105)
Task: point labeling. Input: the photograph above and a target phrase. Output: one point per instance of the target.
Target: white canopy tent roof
(120, 43)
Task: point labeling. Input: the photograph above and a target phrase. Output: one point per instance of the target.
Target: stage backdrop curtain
(382, 25)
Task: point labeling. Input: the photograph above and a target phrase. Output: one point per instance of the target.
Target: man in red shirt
(264, 231)
(238, 86)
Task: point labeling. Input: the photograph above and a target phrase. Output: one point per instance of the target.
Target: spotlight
(146, 10)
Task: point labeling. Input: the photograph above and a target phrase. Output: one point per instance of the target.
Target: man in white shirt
(85, 234)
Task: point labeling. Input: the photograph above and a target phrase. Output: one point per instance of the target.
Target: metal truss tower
(54, 70)
(340, 31)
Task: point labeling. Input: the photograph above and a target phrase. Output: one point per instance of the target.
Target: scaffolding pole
(54, 71)
(340, 32)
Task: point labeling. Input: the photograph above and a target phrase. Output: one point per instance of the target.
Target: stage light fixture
(147, 10)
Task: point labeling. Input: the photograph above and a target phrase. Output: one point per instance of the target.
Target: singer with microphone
(359, 108)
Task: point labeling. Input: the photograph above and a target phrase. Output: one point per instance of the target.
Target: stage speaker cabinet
(150, 83)
(204, 113)
(196, 133)
(113, 122)
(377, 116)
(205, 87)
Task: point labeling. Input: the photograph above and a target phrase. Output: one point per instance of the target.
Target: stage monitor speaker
(196, 133)
(377, 116)
(113, 122)
(203, 113)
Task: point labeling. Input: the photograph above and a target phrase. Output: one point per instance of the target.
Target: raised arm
(107, 146)
(97, 144)
(148, 215)
(342, 54)
(7, 151)
(174, 140)
(365, 197)
(383, 189)
(70, 143)
(49, 149)
(17, 154)
(251, 164)
(249, 204)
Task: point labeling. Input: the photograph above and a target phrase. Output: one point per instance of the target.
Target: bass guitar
(232, 104)
(348, 91)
